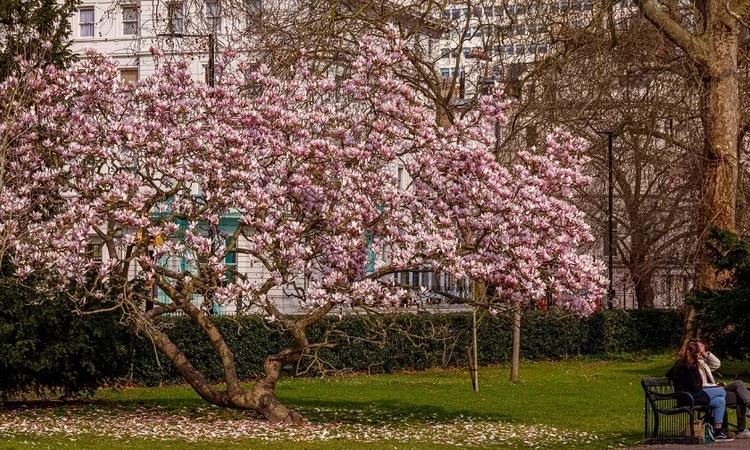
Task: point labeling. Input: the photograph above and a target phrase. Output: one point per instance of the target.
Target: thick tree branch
(690, 44)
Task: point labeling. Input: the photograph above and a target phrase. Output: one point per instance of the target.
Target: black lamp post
(610, 221)
(211, 51)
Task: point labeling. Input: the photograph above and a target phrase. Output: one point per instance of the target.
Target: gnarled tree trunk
(260, 398)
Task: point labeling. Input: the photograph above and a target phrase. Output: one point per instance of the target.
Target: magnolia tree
(153, 169)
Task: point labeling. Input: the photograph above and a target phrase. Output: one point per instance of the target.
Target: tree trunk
(263, 393)
(642, 276)
(721, 118)
(261, 398)
(516, 356)
(712, 44)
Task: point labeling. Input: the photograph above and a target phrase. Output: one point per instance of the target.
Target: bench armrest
(684, 399)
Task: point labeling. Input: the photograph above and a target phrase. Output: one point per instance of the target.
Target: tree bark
(721, 116)
(714, 53)
(516, 356)
(261, 398)
(641, 271)
(644, 290)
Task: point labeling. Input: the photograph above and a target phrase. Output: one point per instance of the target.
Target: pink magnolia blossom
(307, 167)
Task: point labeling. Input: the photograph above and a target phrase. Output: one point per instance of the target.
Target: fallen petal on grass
(211, 425)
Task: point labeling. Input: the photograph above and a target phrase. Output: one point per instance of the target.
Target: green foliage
(620, 331)
(46, 347)
(723, 315)
(389, 343)
(49, 19)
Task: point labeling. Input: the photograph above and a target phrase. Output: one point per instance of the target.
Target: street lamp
(211, 51)
(610, 221)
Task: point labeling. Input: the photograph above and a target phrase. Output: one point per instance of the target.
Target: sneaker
(744, 434)
(720, 436)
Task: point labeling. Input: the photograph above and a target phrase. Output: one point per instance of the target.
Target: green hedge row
(412, 341)
(46, 348)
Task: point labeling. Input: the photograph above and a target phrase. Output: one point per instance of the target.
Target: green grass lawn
(572, 404)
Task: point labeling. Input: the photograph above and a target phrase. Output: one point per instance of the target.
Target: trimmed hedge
(412, 341)
(47, 348)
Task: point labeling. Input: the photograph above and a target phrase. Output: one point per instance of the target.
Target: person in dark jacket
(685, 377)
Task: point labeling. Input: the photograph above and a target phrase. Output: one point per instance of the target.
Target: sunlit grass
(570, 404)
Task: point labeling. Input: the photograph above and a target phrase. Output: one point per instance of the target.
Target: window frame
(175, 17)
(213, 16)
(135, 20)
(88, 25)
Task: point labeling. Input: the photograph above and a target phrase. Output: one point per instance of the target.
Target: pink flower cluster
(306, 164)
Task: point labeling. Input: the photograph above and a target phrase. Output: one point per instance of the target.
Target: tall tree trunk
(712, 44)
(642, 278)
(640, 268)
(721, 116)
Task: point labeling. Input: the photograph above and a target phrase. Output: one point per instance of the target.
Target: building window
(213, 16)
(130, 20)
(445, 72)
(253, 6)
(94, 249)
(176, 17)
(230, 262)
(86, 21)
(253, 9)
(128, 160)
(129, 75)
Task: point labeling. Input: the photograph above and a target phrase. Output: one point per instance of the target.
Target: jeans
(718, 402)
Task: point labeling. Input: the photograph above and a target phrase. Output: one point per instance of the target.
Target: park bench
(668, 413)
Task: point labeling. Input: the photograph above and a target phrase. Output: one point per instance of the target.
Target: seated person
(708, 362)
(685, 376)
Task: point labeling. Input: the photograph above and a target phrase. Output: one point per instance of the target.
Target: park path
(736, 444)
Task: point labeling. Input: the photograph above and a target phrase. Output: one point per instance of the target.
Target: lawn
(574, 404)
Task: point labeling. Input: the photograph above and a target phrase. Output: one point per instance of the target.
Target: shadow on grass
(387, 412)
